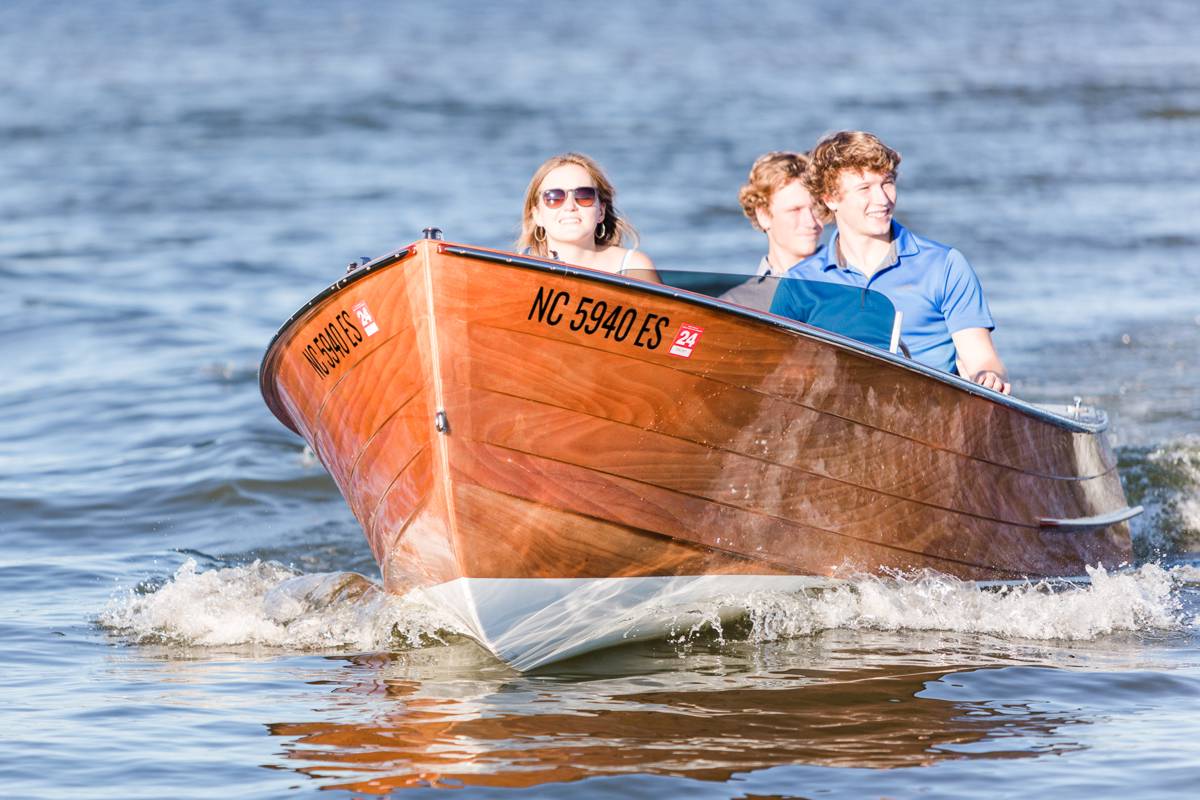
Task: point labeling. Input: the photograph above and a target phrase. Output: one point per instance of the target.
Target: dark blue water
(179, 616)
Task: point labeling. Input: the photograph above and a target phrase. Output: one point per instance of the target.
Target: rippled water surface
(188, 608)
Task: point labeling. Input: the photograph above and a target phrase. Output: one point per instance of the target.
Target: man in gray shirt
(777, 202)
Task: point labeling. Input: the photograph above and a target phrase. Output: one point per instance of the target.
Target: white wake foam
(1145, 599)
(268, 604)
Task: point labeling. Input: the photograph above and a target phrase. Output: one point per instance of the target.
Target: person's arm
(980, 361)
(970, 322)
(641, 267)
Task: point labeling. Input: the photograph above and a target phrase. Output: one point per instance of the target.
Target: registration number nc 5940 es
(596, 317)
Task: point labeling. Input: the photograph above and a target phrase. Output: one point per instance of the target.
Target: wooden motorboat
(567, 458)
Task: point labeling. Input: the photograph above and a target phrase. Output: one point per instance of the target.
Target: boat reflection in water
(706, 716)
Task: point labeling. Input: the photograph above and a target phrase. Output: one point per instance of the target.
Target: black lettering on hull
(595, 317)
(333, 343)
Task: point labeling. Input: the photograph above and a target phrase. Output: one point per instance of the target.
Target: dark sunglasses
(584, 196)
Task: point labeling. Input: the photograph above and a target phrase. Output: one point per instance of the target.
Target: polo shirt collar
(905, 242)
(829, 254)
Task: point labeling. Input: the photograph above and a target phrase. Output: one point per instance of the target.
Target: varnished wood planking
(504, 536)
(761, 487)
(788, 365)
(388, 452)
(422, 551)
(780, 544)
(409, 491)
(370, 392)
(634, 394)
(965, 545)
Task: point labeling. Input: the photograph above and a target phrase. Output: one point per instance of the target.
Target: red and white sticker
(364, 316)
(685, 340)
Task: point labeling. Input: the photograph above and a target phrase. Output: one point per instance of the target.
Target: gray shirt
(758, 291)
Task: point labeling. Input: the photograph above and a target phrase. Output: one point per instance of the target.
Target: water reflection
(453, 718)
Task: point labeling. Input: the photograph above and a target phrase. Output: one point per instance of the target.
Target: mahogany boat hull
(561, 476)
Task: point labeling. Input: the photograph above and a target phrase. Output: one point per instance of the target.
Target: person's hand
(992, 380)
(978, 355)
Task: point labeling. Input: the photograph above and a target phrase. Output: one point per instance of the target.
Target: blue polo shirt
(930, 283)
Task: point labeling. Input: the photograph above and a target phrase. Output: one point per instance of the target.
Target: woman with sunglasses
(569, 215)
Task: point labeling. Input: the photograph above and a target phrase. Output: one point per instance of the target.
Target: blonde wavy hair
(612, 230)
(847, 150)
(770, 173)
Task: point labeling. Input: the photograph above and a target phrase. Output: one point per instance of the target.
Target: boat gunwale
(1039, 412)
(556, 267)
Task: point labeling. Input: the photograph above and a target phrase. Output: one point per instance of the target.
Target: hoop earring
(602, 232)
(536, 230)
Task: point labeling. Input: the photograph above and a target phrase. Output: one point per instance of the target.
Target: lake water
(180, 611)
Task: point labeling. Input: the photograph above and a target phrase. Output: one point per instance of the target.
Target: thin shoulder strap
(625, 260)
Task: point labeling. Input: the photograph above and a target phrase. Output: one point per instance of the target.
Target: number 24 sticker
(685, 340)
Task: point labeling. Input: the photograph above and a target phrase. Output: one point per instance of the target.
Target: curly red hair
(858, 151)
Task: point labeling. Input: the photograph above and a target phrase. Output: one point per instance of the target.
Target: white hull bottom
(529, 622)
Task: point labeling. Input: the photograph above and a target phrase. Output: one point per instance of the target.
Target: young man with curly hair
(946, 322)
(776, 201)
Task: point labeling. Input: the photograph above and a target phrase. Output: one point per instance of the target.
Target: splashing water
(267, 604)
(1148, 598)
(1127, 601)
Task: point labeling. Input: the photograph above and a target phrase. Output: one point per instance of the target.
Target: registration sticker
(685, 340)
(364, 316)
